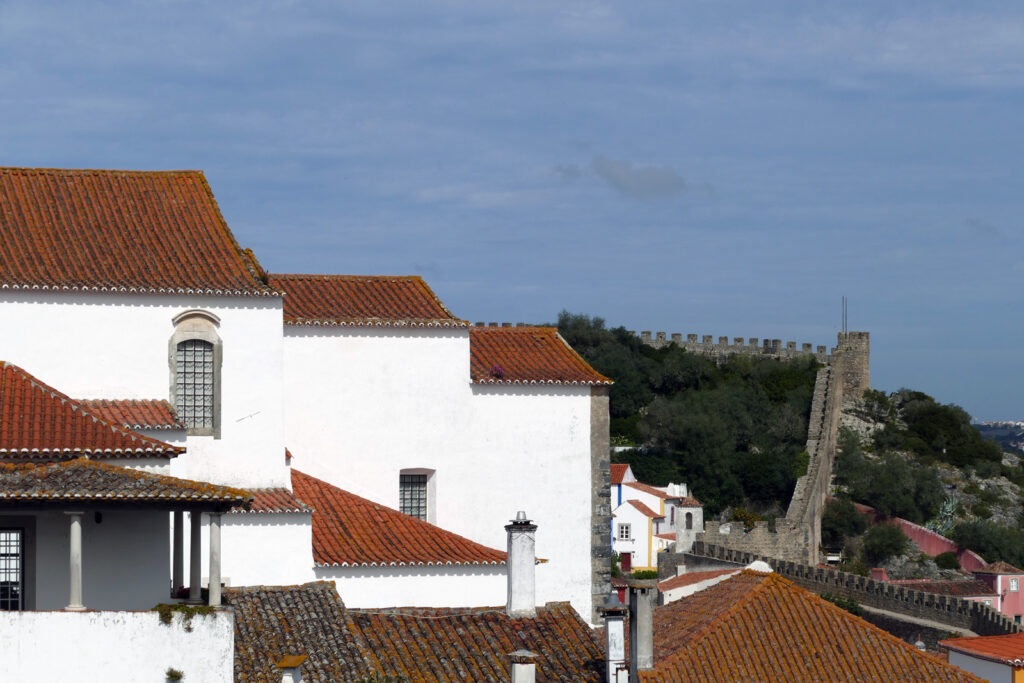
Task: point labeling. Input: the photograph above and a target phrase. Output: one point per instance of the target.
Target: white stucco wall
(125, 559)
(641, 544)
(444, 586)
(116, 346)
(259, 549)
(390, 399)
(990, 671)
(100, 647)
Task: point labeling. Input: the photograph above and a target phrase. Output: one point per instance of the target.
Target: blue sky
(724, 168)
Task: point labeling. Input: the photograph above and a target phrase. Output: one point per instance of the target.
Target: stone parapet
(722, 348)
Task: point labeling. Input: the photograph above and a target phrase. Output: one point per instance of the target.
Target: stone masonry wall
(722, 349)
(943, 609)
(601, 509)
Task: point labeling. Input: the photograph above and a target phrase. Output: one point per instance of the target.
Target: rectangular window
(412, 495)
(195, 384)
(1014, 585)
(625, 532)
(12, 569)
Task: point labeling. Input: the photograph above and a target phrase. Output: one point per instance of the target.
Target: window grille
(625, 532)
(12, 569)
(195, 382)
(412, 495)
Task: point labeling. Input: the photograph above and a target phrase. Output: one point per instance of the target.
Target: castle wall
(721, 349)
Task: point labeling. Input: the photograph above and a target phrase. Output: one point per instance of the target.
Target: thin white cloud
(639, 182)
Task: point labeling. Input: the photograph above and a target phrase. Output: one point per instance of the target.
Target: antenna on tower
(844, 315)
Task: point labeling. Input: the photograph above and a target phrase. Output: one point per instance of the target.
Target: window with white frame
(625, 532)
(1014, 585)
(195, 357)
(12, 569)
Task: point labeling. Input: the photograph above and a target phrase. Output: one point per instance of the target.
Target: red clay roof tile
(762, 627)
(135, 413)
(456, 645)
(37, 421)
(83, 480)
(362, 300)
(645, 510)
(958, 587)
(527, 355)
(692, 578)
(353, 531)
(1008, 649)
(618, 472)
(999, 567)
(272, 501)
(123, 231)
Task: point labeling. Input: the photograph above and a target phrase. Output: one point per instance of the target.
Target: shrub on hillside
(840, 521)
(883, 541)
(947, 560)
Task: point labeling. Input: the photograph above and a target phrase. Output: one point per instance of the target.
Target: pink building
(1005, 580)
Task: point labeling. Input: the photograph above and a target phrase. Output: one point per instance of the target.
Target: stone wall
(601, 509)
(956, 612)
(722, 349)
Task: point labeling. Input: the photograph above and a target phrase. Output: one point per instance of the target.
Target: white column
(195, 576)
(75, 604)
(178, 561)
(215, 558)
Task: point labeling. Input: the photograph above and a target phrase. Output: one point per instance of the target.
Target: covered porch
(81, 535)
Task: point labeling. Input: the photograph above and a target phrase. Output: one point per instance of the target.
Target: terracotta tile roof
(459, 645)
(958, 587)
(647, 488)
(135, 413)
(999, 567)
(526, 355)
(644, 509)
(272, 501)
(119, 231)
(618, 472)
(352, 531)
(362, 300)
(272, 622)
(1008, 649)
(83, 480)
(692, 578)
(667, 537)
(762, 627)
(37, 421)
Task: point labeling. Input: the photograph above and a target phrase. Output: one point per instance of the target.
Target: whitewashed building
(648, 519)
(129, 291)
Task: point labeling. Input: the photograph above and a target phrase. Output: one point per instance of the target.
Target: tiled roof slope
(455, 645)
(362, 300)
(272, 501)
(123, 231)
(762, 627)
(272, 622)
(999, 567)
(691, 578)
(958, 587)
(37, 421)
(526, 355)
(352, 531)
(618, 472)
(644, 510)
(135, 413)
(1008, 649)
(83, 480)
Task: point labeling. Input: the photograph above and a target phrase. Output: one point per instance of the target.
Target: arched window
(195, 357)
(689, 520)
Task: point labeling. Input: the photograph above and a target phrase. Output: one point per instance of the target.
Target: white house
(648, 519)
(128, 289)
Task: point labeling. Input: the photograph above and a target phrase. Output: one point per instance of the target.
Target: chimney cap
(291, 661)
(523, 656)
(520, 518)
(612, 604)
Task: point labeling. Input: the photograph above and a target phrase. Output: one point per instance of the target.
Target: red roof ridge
(154, 446)
(1007, 648)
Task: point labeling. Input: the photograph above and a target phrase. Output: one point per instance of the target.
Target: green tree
(883, 541)
(840, 521)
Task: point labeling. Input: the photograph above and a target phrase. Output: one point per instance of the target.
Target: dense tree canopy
(734, 432)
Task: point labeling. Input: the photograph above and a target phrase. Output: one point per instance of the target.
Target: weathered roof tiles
(526, 355)
(135, 413)
(119, 231)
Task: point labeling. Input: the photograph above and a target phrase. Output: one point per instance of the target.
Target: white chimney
(613, 612)
(291, 668)
(524, 669)
(521, 560)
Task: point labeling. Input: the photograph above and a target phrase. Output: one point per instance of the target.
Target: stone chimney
(642, 596)
(613, 612)
(524, 668)
(522, 557)
(291, 668)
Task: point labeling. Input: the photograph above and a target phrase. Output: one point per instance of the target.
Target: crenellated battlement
(723, 348)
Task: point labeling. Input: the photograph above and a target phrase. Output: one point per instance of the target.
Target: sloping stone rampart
(944, 609)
